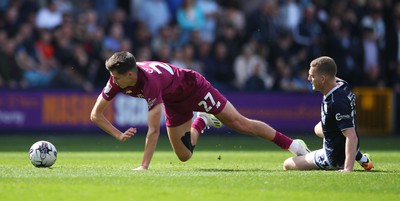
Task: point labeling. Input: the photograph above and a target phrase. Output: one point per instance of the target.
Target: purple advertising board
(70, 110)
(283, 111)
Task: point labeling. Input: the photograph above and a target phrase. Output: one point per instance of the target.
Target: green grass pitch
(224, 167)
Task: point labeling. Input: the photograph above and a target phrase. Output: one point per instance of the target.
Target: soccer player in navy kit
(181, 91)
(337, 126)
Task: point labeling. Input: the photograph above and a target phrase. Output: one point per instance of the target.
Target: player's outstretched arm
(153, 133)
(350, 149)
(97, 117)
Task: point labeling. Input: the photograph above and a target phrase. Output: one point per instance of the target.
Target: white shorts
(321, 160)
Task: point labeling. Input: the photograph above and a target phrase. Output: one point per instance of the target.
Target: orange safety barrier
(375, 110)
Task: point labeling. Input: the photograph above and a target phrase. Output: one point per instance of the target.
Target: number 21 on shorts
(209, 102)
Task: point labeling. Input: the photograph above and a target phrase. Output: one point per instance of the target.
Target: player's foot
(367, 165)
(299, 148)
(210, 119)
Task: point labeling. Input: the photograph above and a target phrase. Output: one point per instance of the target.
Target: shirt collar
(339, 84)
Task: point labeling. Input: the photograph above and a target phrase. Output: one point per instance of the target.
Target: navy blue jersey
(337, 114)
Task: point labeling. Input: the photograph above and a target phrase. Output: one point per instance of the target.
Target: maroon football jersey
(158, 83)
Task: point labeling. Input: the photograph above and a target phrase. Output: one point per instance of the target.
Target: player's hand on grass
(344, 170)
(140, 168)
(127, 134)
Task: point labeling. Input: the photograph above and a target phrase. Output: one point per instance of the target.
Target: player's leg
(311, 161)
(364, 160)
(184, 137)
(230, 117)
(305, 162)
(181, 140)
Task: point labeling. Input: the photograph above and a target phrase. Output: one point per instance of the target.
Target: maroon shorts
(204, 99)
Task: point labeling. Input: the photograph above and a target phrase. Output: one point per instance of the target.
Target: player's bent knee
(186, 154)
(184, 157)
(187, 141)
(288, 164)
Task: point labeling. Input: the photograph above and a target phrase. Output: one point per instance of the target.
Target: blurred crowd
(238, 45)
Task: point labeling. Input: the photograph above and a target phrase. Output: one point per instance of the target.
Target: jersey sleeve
(110, 90)
(344, 114)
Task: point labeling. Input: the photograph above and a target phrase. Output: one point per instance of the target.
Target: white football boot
(210, 120)
(299, 148)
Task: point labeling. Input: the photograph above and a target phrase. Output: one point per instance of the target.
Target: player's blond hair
(121, 62)
(325, 66)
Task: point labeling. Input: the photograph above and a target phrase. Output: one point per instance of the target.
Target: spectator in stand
(49, 17)
(219, 68)
(46, 50)
(177, 58)
(11, 23)
(119, 16)
(79, 28)
(112, 42)
(144, 54)
(163, 38)
(163, 53)
(284, 77)
(344, 48)
(285, 47)
(82, 68)
(142, 36)
(3, 38)
(301, 83)
(39, 73)
(233, 16)
(255, 82)
(374, 20)
(189, 60)
(371, 58)
(264, 25)
(25, 40)
(290, 13)
(308, 32)
(10, 71)
(203, 55)
(155, 14)
(249, 6)
(231, 37)
(91, 21)
(126, 45)
(64, 42)
(287, 80)
(190, 18)
(104, 9)
(210, 8)
(99, 54)
(247, 65)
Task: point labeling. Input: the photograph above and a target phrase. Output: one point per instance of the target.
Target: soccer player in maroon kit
(182, 92)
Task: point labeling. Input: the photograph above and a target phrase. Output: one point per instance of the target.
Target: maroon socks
(282, 140)
(199, 124)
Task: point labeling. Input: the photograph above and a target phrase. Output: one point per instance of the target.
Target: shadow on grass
(263, 170)
(234, 170)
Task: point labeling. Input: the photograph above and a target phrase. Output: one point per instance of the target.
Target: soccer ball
(43, 154)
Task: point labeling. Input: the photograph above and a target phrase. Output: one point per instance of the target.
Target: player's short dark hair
(121, 62)
(325, 65)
